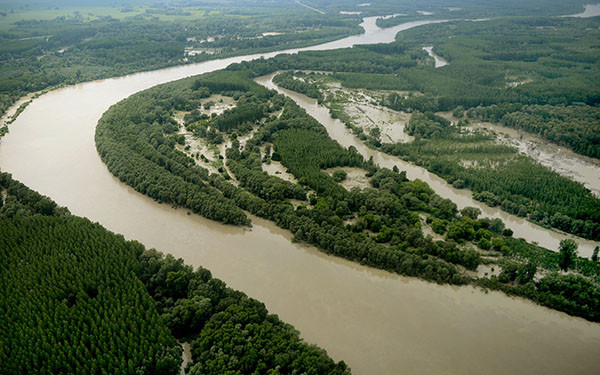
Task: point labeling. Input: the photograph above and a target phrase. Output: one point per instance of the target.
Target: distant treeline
(40, 54)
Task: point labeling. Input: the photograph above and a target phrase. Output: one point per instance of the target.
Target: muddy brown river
(379, 323)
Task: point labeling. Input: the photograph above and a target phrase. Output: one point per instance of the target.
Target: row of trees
(574, 126)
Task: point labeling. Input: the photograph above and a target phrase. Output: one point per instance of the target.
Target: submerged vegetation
(380, 226)
(537, 67)
(575, 126)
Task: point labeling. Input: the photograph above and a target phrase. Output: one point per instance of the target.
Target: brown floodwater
(379, 323)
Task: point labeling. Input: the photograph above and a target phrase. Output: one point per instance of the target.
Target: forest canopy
(76, 298)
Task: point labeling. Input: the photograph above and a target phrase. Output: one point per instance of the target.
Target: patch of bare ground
(274, 168)
(216, 104)
(363, 109)
(355, 177)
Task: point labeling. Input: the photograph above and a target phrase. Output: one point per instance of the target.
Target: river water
(379, 323)
(590, 10)
(439, 61)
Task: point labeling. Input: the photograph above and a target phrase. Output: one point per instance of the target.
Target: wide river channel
(379, 323)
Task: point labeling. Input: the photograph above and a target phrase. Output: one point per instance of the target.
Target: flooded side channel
(438, 60)
(338, 131)
(379, 323)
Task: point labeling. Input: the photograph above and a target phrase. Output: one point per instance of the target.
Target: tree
(568, 252)
(526, 272)
(472, 212)
(595, 254)
(339, 175)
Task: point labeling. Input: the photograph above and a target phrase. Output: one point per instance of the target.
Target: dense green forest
(76, 298)
(382, 225)
(70, 302)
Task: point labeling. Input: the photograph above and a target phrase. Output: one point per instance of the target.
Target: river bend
(379, 323)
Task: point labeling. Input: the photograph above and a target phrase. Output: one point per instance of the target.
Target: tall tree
(568, 252)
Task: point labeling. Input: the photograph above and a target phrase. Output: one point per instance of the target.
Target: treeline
(288, 81)
(573, 126)
(357, 59)
(20, 201)
(76, 298)
(373, 81)
(572, 294)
